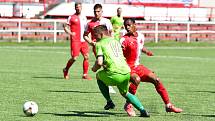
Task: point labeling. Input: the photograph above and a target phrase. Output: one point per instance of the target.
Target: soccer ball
(30, 108)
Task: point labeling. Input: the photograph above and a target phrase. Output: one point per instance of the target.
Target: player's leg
(135, 81)
(85, 54)
(68, 65)
(137, 104)
(123, 89)
(102, 78)
(149, 76)
(75, 50)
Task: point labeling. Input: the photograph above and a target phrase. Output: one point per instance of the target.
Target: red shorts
(77, 47)
(141, 71)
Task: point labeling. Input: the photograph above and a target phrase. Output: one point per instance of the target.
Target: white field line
(185, 48)
(37, 51)
(156, 56)
(46, 47)
(186, 58)
(32, 47)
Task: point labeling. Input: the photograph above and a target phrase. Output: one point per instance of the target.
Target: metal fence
(52, 30)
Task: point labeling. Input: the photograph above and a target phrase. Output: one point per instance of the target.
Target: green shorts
(115, 79)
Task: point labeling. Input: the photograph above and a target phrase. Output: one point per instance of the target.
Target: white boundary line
(171, 48)
(185, 58)
(32, 50)
(38, 51)
(32, 47)
(55, 47)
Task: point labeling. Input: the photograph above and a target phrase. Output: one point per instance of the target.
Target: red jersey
(132, 46)
(77, 25)
(93, 23)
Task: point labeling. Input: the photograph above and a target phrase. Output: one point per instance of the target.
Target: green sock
(104, 90)
(134, 101)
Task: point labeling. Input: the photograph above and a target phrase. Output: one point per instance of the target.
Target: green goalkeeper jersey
(114, 61)
(117, 23)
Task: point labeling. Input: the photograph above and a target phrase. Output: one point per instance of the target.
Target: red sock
(163, 93)
(69, 64)
(85, 66)
(133, 89)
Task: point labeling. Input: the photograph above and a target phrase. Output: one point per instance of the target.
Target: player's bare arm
(98, 64)
(67, 30)
(146, 51)
(87, 37)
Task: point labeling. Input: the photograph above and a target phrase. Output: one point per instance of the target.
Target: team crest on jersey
(141, 41)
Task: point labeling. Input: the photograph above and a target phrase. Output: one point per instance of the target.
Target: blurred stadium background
(168, 20)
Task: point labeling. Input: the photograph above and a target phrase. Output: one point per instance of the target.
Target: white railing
(156, 32)
(20, 29)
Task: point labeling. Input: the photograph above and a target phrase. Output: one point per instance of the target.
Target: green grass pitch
(33, 71)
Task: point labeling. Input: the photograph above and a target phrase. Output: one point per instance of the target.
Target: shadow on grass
(88, 114)
(208, 116)
(73, 91)
(47, 77)
(212, 116)
(24, 116)
(205, 91)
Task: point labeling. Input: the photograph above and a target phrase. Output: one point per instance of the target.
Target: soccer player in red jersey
(75, 28)
(96, 20)
(89, 34)
(132, 43)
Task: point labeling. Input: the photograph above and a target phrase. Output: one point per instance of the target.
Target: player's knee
(86, 57)
(156, 81)
(74, 58)
(153, 78)
(135, 79)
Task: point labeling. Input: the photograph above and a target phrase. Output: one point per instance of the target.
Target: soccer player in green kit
(115, 71)
(117, 22)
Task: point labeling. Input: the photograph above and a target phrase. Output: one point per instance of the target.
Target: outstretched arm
(146, 51)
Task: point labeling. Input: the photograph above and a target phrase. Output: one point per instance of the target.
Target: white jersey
(77, 25)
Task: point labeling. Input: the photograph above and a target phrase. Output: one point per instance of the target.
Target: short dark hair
(130, 19)
(100, 29)
(119, 8)
(97, 6)
(77, 3)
